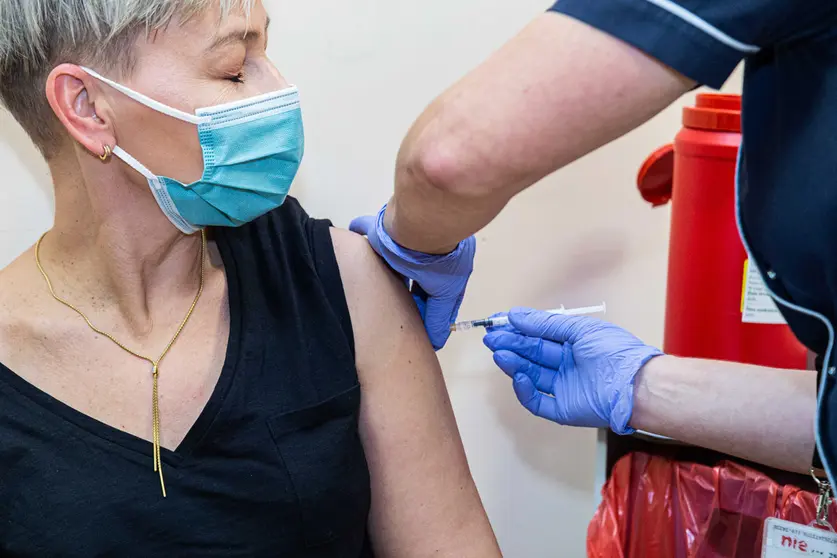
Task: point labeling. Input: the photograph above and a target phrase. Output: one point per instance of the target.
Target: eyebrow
(237, 36)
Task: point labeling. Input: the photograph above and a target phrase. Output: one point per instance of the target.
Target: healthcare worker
(579, 76)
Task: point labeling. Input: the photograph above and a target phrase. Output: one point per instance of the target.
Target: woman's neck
(112, 244)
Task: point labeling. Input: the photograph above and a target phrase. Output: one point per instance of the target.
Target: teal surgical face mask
(252, 150)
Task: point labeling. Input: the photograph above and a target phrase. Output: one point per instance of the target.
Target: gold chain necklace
(155, 364)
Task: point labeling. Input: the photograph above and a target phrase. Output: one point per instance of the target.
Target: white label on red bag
(757, 306)
(785, 539)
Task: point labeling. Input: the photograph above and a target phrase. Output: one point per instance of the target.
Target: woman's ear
(76, 99)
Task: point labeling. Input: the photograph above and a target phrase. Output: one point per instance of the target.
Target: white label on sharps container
(757, 306)
(783, 539)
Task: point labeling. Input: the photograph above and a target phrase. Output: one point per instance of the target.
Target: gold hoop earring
(106, 155)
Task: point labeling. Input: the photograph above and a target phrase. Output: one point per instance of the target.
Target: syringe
(504, 320)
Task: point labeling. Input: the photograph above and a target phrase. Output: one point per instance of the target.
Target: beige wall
(365, 69)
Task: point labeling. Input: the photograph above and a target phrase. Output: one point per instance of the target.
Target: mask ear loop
(158, 188)
(159, 191)
(149, 102)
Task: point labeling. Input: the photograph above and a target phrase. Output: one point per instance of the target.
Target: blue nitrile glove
(442, 278)
(576, 371)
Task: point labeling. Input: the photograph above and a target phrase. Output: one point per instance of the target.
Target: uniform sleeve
(703, 39)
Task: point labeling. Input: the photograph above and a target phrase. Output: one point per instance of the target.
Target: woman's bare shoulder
(424, 499)
(370, 286)
(385, 320)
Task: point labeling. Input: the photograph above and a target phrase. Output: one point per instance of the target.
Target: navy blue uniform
(787, 190)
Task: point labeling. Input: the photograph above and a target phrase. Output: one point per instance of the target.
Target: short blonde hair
(37, 35)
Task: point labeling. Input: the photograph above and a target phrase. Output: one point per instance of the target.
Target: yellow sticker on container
(757, 304)
(744, 283)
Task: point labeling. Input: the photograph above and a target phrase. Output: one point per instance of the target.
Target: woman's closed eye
(238, 77)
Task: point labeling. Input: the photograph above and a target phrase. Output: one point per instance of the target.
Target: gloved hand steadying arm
(442, 278)
(575, 371)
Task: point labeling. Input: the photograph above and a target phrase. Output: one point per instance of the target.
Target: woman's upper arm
(424, 501)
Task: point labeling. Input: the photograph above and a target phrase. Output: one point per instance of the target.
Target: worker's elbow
(442, 168)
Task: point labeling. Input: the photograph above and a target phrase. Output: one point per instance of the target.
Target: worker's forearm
(765, 415)
(556, 92)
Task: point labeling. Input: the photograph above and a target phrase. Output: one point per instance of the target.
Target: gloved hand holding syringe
(499, 321)
(556, 374)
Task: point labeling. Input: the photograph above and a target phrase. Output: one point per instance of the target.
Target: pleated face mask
(252, 150)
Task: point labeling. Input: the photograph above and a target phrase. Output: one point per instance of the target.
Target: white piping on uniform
(677, 10)
(826, 372)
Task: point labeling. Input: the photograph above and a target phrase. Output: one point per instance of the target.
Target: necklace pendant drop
(155, 364)
(155, 426)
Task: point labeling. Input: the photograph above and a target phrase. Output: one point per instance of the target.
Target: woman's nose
(276, 76)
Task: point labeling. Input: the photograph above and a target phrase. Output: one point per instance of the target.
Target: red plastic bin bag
(653, 507)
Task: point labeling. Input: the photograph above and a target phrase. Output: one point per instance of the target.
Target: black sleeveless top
(274, 465)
